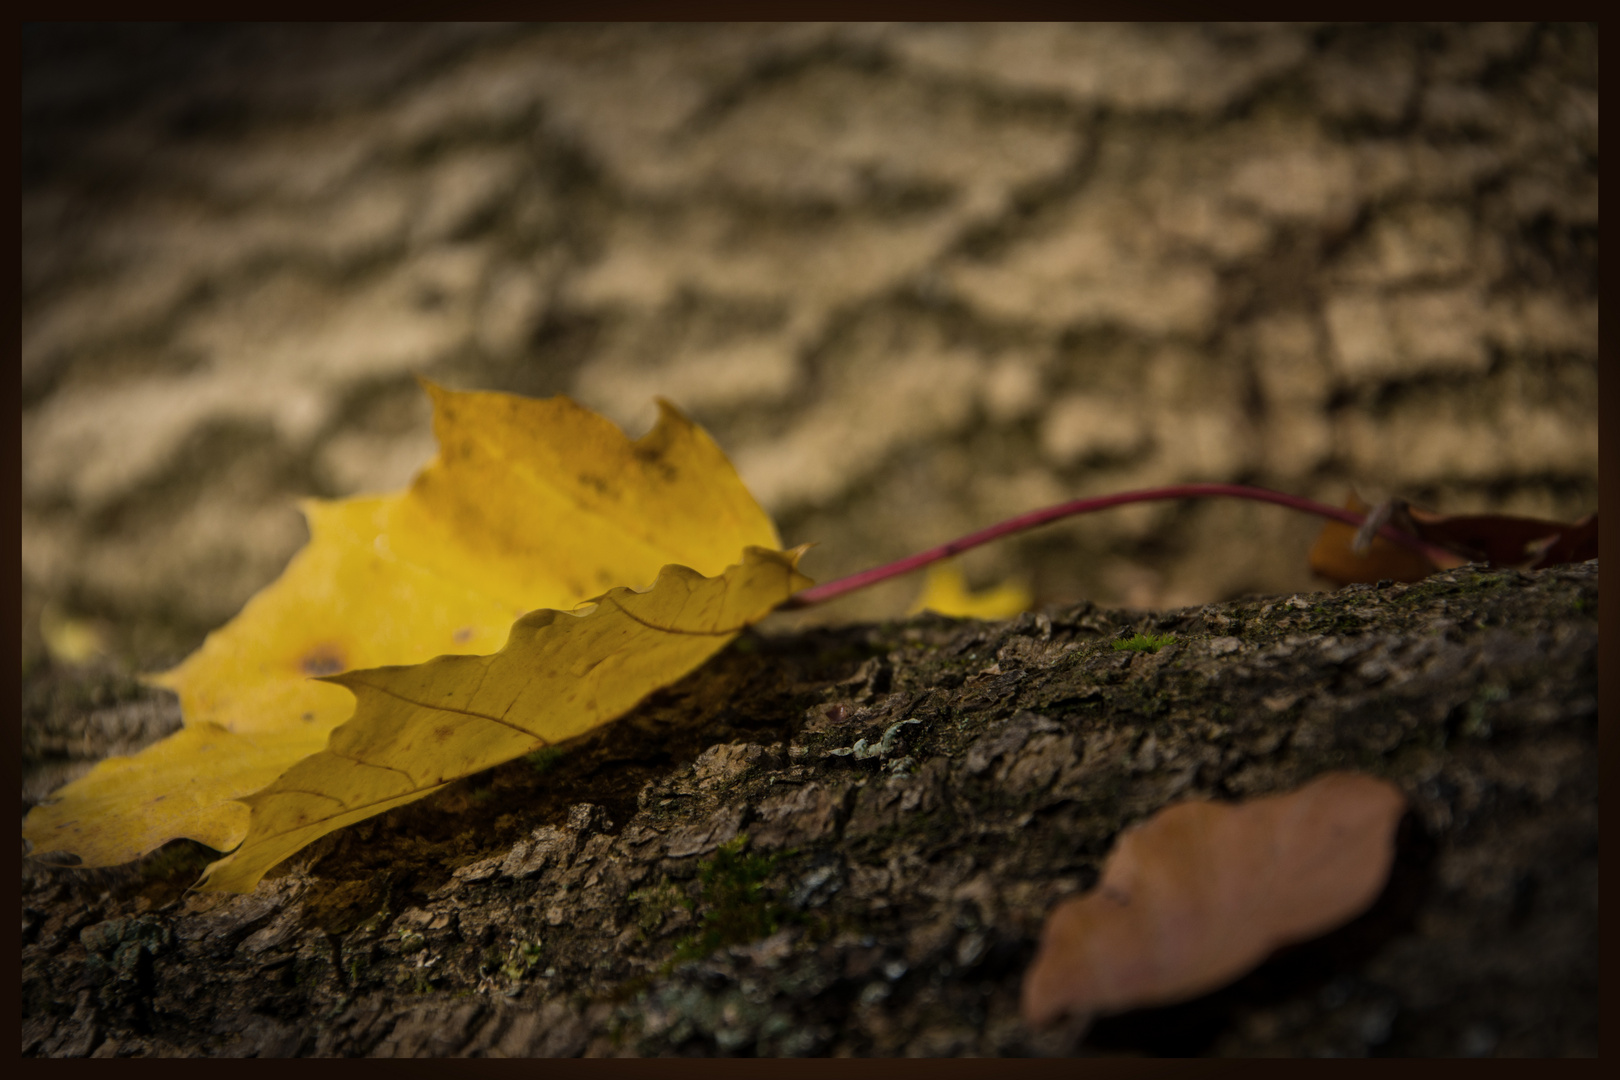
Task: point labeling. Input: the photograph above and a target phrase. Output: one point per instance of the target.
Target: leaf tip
(668, 410)
(162, 680)
(794, 554)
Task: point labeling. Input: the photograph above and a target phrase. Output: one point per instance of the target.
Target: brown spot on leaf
(323, 659)
(462, 635)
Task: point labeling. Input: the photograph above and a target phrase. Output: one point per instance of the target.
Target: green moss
(1150, 643)
(544, 758)
(736, 907)
(521, 959)
(653, 902)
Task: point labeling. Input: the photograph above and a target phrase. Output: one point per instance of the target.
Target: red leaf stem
(822, 593)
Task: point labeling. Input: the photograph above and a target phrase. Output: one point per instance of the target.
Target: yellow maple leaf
(531, 504)
(561, 674)
(945, 591)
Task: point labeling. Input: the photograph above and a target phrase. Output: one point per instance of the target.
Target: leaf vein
(370, 764)
(671, 629)
(306, 791)
(452, 709)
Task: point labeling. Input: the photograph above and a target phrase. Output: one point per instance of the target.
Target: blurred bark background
(913, 278)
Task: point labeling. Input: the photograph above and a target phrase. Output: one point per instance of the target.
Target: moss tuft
(736, 908)
(1144, 643)
(544, 758)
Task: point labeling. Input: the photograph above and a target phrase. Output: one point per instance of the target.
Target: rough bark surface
(915, 797)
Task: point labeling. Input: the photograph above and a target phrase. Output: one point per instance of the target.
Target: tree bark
(845, 841)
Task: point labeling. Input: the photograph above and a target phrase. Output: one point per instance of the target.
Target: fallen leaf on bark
(1498, 539)
(418, 727)
(1202, 892)
(1525, 543)
(531, 504)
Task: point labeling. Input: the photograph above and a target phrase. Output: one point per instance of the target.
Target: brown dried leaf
(1334, 556)
(1498, 539)
(1202, 892)
(1526, 543)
